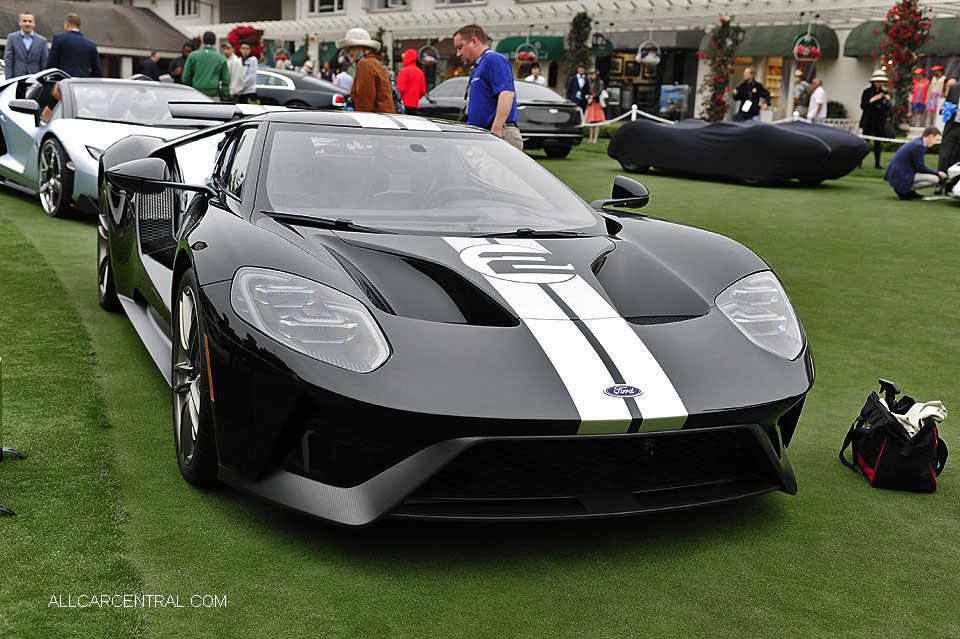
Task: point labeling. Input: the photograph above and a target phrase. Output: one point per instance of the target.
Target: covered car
(456, 335)
(755, 152)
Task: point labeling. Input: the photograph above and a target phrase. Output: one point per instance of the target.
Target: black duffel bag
(885, 452)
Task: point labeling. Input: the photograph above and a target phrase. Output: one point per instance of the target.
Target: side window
(223, 159)
(56, 113)
(237, 168)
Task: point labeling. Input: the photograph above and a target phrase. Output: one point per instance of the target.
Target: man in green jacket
(206, 70)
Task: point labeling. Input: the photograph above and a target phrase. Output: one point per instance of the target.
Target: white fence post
(633, 112)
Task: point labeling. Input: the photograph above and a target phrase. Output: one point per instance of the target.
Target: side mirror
(148, 176)
(627, 193)
(28, 106)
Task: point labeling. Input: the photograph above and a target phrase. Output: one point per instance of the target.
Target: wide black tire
(634, 168)
(56, 180)
(557, 151)
(106, 291)
(298, 104)
(811, 181)
(190, 392)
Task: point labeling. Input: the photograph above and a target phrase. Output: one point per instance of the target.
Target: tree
(246, 34)
(907, 28)
(724, 38)
(579, 52)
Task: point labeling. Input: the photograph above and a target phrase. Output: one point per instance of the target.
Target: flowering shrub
(907, 28)
(806, 51)
(724, 38)
(246, 34)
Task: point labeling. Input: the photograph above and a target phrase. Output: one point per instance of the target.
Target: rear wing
(218, 111)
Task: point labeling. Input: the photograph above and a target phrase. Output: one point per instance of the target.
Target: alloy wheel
(51, 187)
(186, 376)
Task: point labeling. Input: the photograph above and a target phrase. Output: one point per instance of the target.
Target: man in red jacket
(411, 82)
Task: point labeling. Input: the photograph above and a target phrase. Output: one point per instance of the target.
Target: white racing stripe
(579, 366)
(373, 120)
(416, 124)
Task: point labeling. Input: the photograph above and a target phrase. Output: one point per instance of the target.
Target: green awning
(299, 56)
(547, 47)
(761, 42)
(944, 34)
(330, 55)
(862, 41)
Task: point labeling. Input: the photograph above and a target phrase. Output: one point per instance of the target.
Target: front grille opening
(652, 320)
(558, 467)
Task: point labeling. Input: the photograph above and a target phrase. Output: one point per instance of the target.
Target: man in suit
(26, 51)
(73, 52)
(578, 87)
(150, 66)
(907, 172)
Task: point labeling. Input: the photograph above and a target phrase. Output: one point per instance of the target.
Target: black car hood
(483, 281)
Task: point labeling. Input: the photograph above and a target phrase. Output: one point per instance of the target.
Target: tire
(56, 180)
(755, 182)
(634, 168)
(557, 151)
(811, 181)
(106, 291)
(298, 104)
(190, 391)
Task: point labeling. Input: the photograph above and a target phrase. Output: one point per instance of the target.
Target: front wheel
(106, 291)
(634, 168)
(557, 151)
(56, 180)
(192, 410)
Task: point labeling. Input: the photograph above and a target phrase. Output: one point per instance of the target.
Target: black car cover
(752, 151)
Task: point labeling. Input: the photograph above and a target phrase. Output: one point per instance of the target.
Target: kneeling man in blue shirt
(907, 172)
(491, 95)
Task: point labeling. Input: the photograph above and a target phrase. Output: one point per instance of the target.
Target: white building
(676, 26)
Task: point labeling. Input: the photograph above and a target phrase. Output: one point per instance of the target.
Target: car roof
(370, 121)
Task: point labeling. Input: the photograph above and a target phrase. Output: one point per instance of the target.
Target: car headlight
(760, 308)
(94, 152)
(310, 318)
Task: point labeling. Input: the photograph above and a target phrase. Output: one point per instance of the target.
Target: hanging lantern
(428, 54)
(649, 52)
(807, 48)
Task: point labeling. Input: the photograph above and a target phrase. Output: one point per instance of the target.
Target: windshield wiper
(339, 224)
(528, 232)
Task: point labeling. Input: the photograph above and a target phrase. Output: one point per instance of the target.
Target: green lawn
(103, 509)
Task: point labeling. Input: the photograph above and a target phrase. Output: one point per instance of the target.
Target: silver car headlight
(310, 318)
(760, 308)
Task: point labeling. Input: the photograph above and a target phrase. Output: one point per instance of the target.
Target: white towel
(912, 421)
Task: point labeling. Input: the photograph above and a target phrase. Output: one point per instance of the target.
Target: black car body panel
(471, 416)
(544, 117)
(288, 88)
(756, 152)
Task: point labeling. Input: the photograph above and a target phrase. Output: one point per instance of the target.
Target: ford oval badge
(623, 390)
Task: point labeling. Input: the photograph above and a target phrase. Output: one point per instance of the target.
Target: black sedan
(547, 120)
(456, 335)
(292, 89)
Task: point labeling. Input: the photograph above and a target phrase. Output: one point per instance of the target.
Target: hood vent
(476, 307)
(653, 320)
(375, 297)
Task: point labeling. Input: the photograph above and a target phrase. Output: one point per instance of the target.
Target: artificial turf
(874, 280)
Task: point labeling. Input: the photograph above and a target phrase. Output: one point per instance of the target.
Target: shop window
(325, 6)
(451, 2)
(186, 7)
(372, 5)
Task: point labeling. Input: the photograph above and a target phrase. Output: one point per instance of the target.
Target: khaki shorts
(512, 135)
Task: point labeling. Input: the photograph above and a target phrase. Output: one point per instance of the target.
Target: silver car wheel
(51, 188)
(186, 377)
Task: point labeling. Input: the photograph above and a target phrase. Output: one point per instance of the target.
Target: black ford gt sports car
(364, 315)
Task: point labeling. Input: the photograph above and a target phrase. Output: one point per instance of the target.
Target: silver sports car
(53, 129)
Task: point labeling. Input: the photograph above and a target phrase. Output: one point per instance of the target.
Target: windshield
(404, 181)
(132, 103)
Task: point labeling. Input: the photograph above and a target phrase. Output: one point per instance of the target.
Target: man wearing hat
(801, 92)
(875, 102)
(371, 89)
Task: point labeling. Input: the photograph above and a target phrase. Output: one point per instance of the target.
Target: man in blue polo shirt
(491, 97)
